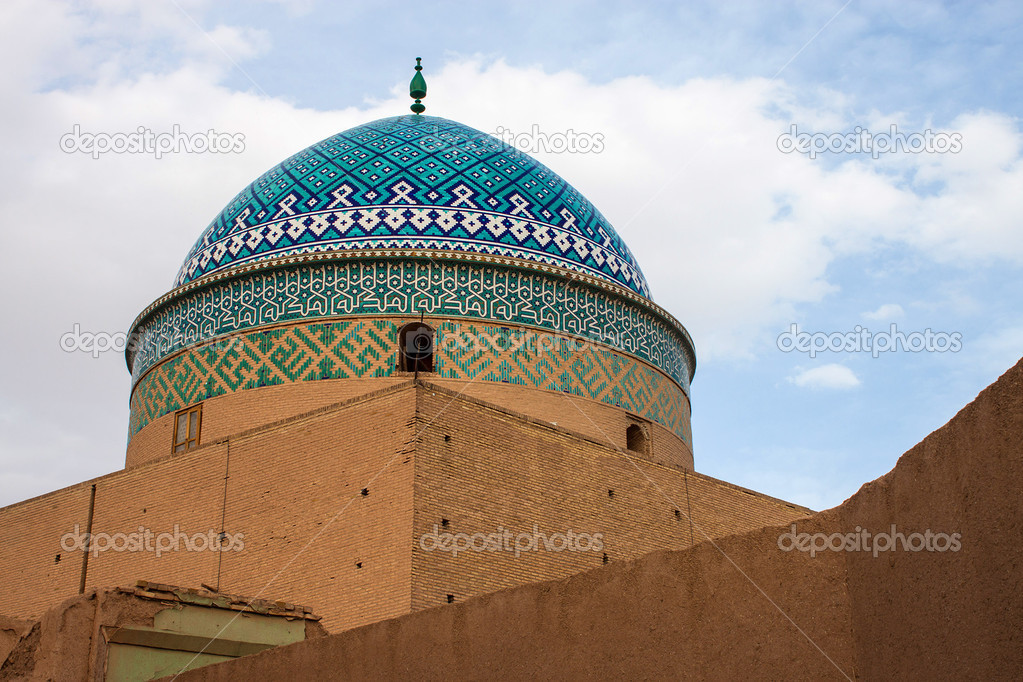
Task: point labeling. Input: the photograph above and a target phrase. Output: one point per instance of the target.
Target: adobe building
(407, 330)
(147, 631)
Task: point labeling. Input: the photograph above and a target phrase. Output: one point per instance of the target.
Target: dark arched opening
(636, 439)
(415, 347)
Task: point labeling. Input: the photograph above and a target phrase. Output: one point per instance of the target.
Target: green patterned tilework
(414, 182)
(359, 348)
(381, 287)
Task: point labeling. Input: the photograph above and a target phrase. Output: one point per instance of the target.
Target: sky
(709, 115)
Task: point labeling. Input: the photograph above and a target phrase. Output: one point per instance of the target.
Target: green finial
(417, 88)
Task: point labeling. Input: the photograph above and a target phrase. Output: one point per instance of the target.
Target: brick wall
(236, 412)
(481, 468)
(307, 523)
(423, 453)
(30, 533)
(293, 492)
(590, 418)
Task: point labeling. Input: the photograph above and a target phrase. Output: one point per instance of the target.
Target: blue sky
(737, 239)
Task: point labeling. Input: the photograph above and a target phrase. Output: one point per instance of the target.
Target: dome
(414, 182)
(302, 293)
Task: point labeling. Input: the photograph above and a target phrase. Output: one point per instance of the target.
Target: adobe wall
(669, 615)
(69, 642)
(952, 614)
(741, 608)
(11, 632)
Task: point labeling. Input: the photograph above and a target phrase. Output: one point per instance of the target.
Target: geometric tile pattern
(414, 182)
(559, 363)
(473, 291)
(368, 348)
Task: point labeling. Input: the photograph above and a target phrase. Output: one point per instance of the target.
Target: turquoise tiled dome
(414, 182)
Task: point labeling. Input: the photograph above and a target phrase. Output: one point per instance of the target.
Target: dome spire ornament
(417, 88)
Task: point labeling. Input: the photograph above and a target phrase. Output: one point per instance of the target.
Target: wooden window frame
(191, 436)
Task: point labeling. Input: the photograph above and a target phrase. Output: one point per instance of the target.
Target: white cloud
(734, 235)
(888, 311)
(830, 376)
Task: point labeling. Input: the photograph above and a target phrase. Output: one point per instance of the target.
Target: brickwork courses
(294, 492)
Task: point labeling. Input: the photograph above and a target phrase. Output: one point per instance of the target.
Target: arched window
(636, 439)
(415, 347)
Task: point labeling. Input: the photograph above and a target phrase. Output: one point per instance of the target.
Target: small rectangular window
(186, 429)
